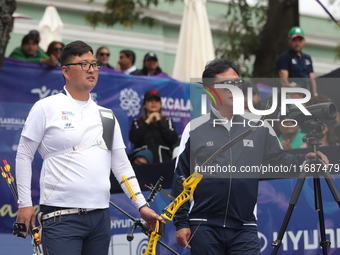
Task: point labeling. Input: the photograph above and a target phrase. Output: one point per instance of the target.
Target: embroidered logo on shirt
(65, 115)
(210, 143)
(248, 143)
(68, 126)
(294, 62)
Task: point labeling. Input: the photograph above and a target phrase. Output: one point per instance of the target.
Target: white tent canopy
(50, 27)
(195, 45)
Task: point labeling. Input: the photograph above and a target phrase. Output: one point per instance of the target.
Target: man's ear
(65, 70)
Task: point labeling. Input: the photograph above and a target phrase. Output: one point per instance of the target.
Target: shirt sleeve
(182, 168)
(121, 166)
(282, 62)
(23, 161)
(35, 124)
(310, 66)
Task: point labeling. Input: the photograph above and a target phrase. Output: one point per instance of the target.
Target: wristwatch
(146, 204)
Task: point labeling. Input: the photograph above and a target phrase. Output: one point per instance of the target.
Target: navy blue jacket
(159, 137)
(225, 199)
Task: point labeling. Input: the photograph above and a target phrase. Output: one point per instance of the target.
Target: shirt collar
(219, 116)
(130, 70)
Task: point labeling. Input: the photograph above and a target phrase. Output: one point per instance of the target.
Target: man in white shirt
(80, 142)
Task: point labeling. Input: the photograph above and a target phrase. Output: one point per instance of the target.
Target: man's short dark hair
(29, 37)
(128, 54)
(218, 66)
(76, 48)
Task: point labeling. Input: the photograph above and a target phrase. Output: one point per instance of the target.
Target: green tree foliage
(257, 34)
(7, 9)
(124, 12)
(239, 39)
(253, 36)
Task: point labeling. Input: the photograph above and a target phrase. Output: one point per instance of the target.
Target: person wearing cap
(30, 52)
(150, 65)
(142, 157)
(126, 62)
(293, 63)
(154, 131)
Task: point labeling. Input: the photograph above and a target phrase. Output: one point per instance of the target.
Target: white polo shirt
(80, 178)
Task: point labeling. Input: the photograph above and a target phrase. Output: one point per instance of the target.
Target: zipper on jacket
(230, 178)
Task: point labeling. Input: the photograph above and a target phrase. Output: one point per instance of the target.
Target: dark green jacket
(18, 53)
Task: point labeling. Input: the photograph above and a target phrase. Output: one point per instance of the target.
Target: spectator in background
(36, 34)
(55, 48)
(30, 52)
(330, 137)
(291, 136)
(142, 157)
(296, 64)
(150, 65)
(103, 57)
(154, 131)
(126, 62)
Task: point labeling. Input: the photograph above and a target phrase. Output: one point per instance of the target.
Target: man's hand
(26, 215)
(319, 155)
(183, 236)
(149, 216)
(118, 68)
(286, 144)
(51, 61)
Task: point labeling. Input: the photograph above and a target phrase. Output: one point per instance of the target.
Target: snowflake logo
(129, 100)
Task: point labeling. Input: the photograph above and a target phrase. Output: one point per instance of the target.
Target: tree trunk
(7, 8)
(282, 16)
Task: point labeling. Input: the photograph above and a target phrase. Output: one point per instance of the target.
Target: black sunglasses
(56, 49)
(238, 82)
(103, 54)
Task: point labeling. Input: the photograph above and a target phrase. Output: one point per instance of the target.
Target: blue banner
(22, 84)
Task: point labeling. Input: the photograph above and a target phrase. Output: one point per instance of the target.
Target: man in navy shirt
(296, 64)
